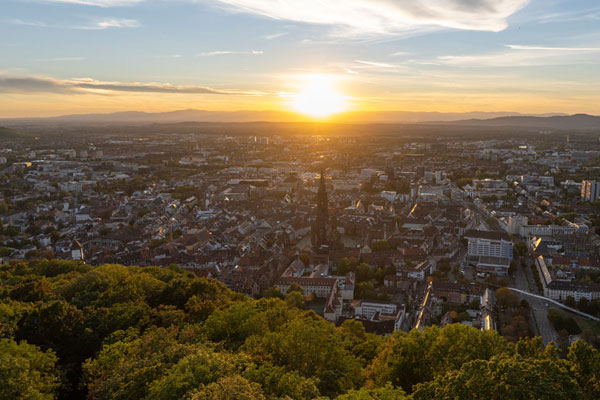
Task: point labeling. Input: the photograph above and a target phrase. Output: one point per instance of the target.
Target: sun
(319, 98)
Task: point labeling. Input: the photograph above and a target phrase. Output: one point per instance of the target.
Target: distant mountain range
(577, 121)
(483, 119)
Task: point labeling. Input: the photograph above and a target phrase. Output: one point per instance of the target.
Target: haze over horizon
(313, 58)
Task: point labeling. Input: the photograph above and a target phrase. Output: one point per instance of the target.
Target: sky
(87, 56)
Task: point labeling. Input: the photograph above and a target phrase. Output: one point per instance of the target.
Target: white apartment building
(369, 308)
(489, 244)
(590, 190)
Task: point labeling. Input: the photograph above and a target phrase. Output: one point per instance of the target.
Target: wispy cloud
(35, 84)
(91, 24)
(275, 35)
(592, 14)
(61, 59)
(18, 21)
(109, 23)
(228, 52)
(547, 48)
(519, 58)
(384, 17)
(376, 64)
(97, 3)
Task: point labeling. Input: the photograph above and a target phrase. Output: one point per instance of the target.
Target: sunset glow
(299, 59)
(319, 98)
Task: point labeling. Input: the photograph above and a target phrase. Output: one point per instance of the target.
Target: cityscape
(293, 237)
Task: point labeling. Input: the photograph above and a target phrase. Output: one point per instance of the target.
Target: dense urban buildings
(388, 232)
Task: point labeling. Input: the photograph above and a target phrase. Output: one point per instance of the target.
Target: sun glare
(319, 98)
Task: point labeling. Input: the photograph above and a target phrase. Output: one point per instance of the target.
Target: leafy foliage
(420, 356)
(502, 378)
(26, 372)
(72, 331)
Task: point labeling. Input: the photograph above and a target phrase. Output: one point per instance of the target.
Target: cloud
(544, 48)
(91, 25)
(17, 21)
(97, 3)
(32, 85)
(25, 85)
(228, 52)
(61, 59)
(275, 35)
(591, 14)
(385, 17)
(109, 23)
(519, 58)
(376, 64)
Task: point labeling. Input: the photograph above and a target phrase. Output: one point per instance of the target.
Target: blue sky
(63, 56)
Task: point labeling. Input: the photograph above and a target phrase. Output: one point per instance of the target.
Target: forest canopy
(72, 331)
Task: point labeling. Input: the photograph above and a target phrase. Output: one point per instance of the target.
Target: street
(541, 325)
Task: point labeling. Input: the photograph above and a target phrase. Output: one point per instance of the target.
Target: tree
(387, 392)
(294, 287)
(419, 356)
(26, 372)
(585, 367)
(583, 304)
(279, 382)
(520, 248)
(162, 333)
(506, 298)
(502, 378)
(570, 302)
(365, 290)
(380, 245)
(343, 266)
(560, 321)
(310, 346)
(126, 366)
(294, 299)
(231, 326)
(272, 291)
(229, 388)
(202, 367)
(364, 273)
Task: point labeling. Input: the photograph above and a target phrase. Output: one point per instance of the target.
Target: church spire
(322, 221)
(323, 204)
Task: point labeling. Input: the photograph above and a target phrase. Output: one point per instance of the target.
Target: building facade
(489, 244)
(590, 190)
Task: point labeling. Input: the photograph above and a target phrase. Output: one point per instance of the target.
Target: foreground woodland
(72, 331)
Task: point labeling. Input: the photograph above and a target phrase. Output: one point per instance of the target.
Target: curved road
(556, 303)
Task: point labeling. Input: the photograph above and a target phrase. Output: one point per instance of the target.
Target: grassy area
(586, 324)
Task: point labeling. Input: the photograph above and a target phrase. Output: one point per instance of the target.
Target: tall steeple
(319, 230)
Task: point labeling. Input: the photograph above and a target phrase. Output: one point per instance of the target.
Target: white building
(553, 230)
(368, 308)
(321, 287)
(489, 244)
(560, 290)
(590, 190)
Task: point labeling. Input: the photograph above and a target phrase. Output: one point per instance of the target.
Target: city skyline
(88, 56)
